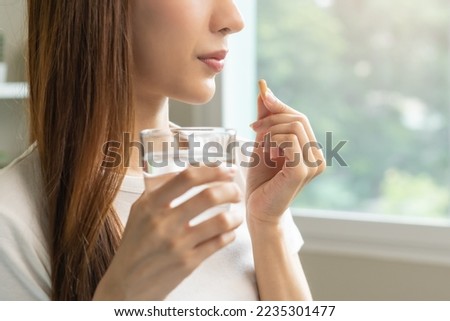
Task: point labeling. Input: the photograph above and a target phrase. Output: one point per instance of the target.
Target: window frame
(333, 232)
(410, 239)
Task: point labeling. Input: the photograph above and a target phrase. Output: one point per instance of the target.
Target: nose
(226, 17)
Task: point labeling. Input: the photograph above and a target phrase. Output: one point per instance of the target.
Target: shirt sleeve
(293, 238)
(23, 275)
(24, 256)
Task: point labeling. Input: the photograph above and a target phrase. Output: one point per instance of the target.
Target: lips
(214, 60)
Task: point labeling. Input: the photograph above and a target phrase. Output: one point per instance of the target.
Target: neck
(151, 111)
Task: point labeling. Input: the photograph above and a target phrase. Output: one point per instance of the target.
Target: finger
(209, 247)
(189, 178)
(275, 119)
(294, 141)
(288, 147)
(268, 104)
(214, 195)
(262, 110)
(263, 126)
(262, 86)
(213, 227)
(270, 107)
(153, 182)
(274, 105)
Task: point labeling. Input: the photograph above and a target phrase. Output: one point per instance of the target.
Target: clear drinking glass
(175, 149)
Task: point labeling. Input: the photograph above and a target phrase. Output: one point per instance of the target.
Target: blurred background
(374, 73)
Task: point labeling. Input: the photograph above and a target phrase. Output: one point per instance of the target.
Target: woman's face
(179, 46)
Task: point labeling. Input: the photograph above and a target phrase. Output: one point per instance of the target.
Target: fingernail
(232, 170)
(255, 125)
(270, 97)
(273, 155)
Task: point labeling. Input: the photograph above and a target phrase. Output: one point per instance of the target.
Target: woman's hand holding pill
(289, 158)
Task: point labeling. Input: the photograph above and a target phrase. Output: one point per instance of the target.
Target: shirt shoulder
(21, 187)
(24, 259)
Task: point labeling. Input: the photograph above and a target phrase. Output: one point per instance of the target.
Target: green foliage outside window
(375, 73)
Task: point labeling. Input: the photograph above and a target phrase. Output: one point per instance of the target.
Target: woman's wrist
(105, 292)
(266, 228)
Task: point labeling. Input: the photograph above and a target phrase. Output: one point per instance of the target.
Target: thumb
(271, 103)
(262, 109)
(274, 105)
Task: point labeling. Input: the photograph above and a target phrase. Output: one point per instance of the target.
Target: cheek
(152, 57)
(165, 60)
(150, 28)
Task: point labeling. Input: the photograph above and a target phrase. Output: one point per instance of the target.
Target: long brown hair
(79, 63)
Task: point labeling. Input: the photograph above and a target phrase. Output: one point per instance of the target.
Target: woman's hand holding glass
(159, 247)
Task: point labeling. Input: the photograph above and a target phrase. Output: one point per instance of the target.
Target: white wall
(12, 24)
(356, 256)
(13, 123)
(341, 277)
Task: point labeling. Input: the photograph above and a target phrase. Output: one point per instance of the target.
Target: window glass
(374, 75)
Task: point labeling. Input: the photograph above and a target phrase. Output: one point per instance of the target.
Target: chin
(200, 94)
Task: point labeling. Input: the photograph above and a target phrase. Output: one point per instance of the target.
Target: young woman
(72, 229)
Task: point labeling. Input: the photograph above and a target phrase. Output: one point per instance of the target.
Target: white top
(24, 252)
